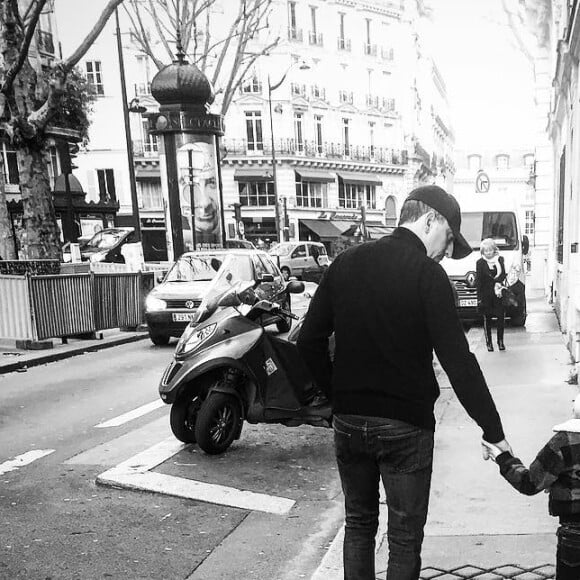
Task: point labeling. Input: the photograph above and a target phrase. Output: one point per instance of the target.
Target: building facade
(359, 115)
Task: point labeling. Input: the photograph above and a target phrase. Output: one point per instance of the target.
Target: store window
(150, 194)
(311, 194)
(256, 193)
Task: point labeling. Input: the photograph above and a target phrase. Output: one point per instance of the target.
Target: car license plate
(186, 317)
(470, 302)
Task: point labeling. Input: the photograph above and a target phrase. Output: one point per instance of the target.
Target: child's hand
(489, 450)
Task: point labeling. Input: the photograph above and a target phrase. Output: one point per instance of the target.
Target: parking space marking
(24, 459)
(135, 473)
(129, 416)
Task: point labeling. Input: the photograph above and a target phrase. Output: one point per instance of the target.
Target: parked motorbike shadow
(228, 369)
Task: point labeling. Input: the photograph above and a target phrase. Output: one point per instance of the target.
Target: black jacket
(485, 282)
(389, 306)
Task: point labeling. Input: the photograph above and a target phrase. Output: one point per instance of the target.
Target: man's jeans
(370, 448)
(568, 552)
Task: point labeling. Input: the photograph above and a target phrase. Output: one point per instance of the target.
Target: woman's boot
(500, 327)
(487, 328)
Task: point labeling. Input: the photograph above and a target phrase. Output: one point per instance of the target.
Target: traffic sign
(482, 182)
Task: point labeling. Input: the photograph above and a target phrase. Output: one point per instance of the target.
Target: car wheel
(183, 417)
(285, 272)
(218, 423)
(284, 324)
(158, 339)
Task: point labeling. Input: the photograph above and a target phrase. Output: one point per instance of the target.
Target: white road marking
(134, 414)
(135, 474)
(24, 459)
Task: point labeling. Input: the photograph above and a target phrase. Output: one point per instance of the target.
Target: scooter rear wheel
(218, 423)
(183, 417)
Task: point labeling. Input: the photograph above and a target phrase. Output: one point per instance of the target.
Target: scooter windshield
(233, 272)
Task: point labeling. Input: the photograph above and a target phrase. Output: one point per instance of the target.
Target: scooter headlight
(195, 336)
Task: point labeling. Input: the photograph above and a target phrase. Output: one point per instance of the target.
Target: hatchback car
(295, 258)
(104, 246)
(171, 305)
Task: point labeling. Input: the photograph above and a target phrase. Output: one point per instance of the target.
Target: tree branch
(23, 50)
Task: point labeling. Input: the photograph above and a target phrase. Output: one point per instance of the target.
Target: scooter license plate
(183, 317)
(470, 302)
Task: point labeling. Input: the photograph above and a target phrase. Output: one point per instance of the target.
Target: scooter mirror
(295, 287)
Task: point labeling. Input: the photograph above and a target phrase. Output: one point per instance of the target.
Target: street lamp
(271, 88)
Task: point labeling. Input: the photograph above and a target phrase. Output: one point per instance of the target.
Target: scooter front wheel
(183, 417)
(217, 423)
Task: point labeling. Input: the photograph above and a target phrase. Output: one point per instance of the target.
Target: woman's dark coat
(488, 303)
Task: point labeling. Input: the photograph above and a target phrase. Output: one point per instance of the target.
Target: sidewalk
(13, 359)
(478, 526)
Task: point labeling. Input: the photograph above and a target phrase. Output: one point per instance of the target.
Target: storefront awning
(253, 174)
(360, 178)
(311, 175)
(148, 174)
(326, 229)
(376, 232)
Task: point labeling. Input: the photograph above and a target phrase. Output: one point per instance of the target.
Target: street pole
(276, 200)
(128, 139)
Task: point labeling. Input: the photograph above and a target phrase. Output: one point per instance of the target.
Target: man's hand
(494, 449)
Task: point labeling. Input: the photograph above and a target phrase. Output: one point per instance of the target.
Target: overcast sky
(489, 81)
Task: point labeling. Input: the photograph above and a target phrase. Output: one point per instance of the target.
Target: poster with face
(198, 186)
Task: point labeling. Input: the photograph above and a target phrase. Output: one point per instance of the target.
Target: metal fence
(41, 307)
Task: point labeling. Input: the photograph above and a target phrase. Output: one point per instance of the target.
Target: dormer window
(474, 162)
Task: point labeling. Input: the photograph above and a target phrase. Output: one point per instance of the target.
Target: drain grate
(470, 572)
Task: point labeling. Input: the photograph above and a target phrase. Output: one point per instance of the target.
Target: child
(557, 469)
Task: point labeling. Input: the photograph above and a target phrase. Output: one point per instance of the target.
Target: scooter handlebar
(288, 314)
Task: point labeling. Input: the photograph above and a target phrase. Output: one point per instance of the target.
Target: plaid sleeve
(541, 474)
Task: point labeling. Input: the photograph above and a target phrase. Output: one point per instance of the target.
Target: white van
(294, 258)
(499, 221)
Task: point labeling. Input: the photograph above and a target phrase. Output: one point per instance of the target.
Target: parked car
(240, 244)
(174, 303)
(295, 258)
(104, 246)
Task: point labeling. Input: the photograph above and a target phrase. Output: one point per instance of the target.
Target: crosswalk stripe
(134, 414)
(24, 459)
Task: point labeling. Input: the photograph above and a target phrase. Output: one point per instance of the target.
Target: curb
(56, 356)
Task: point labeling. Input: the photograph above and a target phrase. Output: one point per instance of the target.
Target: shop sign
(333, 215)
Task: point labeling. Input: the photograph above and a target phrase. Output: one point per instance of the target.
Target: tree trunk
(41, 235)
(7, 247)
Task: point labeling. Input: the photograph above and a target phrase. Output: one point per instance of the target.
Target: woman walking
(490, 276)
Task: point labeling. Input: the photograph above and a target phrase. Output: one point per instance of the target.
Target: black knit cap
(438, 199)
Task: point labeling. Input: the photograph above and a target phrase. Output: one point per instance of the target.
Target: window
(318, 130)
(346, 136)
(144, 86)
(561, 200)
(372, 138)
(502, 162)
(95, 76)
(299, 252)
(254, 131)
(311, 194)
(529, 225)
(10, 165)
(474, 162)
(150, 143)
(353, 195)
(256, 193)
(252, 85)
(529, 159)
(106, 179)
(313, 21)
(298, 132)
(150, 194)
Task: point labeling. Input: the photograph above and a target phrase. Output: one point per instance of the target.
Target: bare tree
(218, 43)
(28, 102)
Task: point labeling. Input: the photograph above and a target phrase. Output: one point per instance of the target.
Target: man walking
(390, 305)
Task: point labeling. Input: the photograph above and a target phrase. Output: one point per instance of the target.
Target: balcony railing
(344, 43)
(315, 38)
(346, 97)
(325, 150)
(45, 42)
(295, 34)
(370, 49)
(145, 148)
